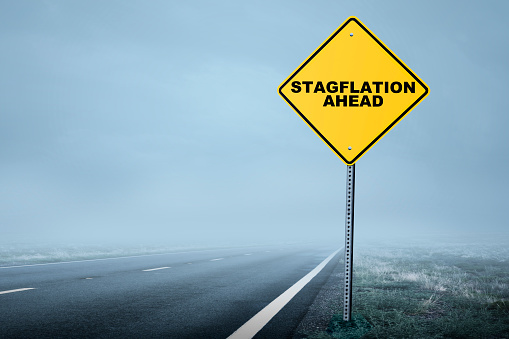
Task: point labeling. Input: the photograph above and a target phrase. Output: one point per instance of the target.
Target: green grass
(418, 293)
(433, 288)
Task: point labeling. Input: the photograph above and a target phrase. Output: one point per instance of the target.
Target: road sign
(352, 90)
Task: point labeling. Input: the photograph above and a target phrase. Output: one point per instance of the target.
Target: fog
(136, 121)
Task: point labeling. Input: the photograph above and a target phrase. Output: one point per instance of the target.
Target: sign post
(351, 91)
(349, 216)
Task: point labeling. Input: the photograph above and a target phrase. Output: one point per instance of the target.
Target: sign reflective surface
(352, 90)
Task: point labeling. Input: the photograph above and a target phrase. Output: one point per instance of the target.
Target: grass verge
(423, 293)
(428, 289)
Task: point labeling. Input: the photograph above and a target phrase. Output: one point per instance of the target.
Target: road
(195, 294)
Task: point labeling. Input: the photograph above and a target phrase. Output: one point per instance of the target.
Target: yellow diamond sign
(352, 90)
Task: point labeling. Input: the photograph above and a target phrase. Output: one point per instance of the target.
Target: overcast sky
(160, 121)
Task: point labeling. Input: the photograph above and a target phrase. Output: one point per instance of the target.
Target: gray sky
(160, 121)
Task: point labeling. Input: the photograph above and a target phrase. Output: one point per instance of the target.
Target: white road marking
(17, 290)
(155, 269)
(217, 259)
(256, 323)
(89, 278)
(115, 258)
(248, 254)
(189, 263)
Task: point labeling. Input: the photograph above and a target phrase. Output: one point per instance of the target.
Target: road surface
(195, 294)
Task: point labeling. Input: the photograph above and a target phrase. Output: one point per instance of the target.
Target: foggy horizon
(160, 122)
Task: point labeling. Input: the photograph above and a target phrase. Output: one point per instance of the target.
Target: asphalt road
(200, 294)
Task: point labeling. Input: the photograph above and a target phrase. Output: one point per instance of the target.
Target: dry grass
(419, 291)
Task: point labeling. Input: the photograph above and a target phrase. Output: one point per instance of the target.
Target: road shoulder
(328, 302)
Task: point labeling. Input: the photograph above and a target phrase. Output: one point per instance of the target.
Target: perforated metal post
(350, 193)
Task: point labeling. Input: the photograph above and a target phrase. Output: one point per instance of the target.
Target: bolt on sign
(352, 90)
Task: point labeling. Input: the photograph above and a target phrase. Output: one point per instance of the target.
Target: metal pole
(350, 194)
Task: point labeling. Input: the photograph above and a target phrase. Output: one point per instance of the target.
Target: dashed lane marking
(17, 290)
(155, 269)
(101, 259)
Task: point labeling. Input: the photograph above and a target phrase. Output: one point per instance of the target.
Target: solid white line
(115, 258)
(17, 290)
(256, 323)
(156, 269)
(248, 254)
(217, 259)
